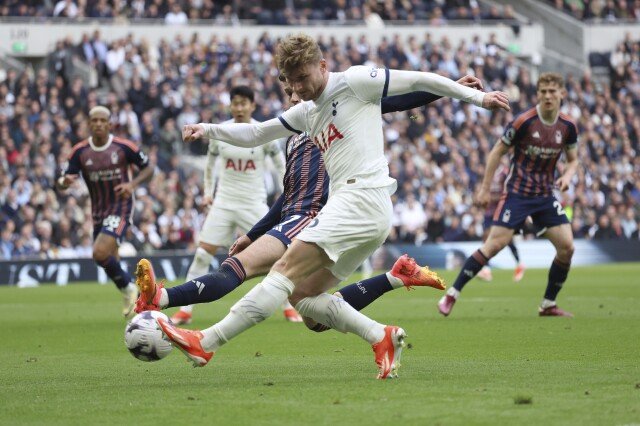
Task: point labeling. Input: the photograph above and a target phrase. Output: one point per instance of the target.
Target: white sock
(256, 306)
(546, 303)
(453, 292)
(164, 298)
(394, 281)
(130, 288)
(200, 265)
(334, 312)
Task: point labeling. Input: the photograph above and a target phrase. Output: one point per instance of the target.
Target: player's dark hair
(243, 91)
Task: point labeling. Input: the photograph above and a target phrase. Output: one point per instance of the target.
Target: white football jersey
(345, 122)
(241, 172)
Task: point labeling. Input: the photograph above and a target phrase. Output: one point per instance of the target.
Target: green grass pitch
(493, 361)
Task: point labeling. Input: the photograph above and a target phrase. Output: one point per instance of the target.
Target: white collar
(103, 147)
(547, 123)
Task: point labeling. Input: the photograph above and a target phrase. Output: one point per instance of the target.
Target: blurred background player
(495, 192)
(306, 188)
(240, 197)
(105, 163)
(538, 138)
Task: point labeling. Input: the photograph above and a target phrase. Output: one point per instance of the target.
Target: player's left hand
(496, 100)
(562, 183)
(241, 243)
(471, 81)
(124, 190)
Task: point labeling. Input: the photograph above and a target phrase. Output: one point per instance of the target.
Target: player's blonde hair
(297, 50)
(550, 78)
(99, 110)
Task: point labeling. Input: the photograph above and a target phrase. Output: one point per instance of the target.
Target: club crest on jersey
(334, 105)
(558, 137)
(327, 137)
(114, 158)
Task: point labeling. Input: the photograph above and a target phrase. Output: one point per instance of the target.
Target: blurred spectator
(176, 15)
(275, 12)
(436, 153)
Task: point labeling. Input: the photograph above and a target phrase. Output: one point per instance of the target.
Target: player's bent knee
(301, 293)
(280, 266)
(566, 251)
(100, 256)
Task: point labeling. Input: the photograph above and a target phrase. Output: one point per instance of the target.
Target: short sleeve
(72, 165)
(294, 119)
(572, 136)
(510, 136)
(136, 156)
(369, 84)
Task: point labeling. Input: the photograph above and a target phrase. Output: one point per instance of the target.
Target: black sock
(114, 271)
(210, 287)
(471, 267)
(361, 294)
(514, 251)
(557, 276)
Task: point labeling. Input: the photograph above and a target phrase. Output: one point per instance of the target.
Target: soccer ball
(143, 337)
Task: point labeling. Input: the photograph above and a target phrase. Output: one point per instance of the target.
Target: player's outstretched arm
(268, 221)
(246, 135)
(493, 161)
(417, 99)
(410, 81)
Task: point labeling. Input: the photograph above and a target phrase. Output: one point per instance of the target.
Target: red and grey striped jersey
(306, 184)
(103, 168)
(537, 148)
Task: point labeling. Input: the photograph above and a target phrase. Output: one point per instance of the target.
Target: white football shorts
(219, 228)
(350, 227)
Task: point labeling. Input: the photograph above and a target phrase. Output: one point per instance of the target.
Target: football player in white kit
(343, 117)
(241, 197)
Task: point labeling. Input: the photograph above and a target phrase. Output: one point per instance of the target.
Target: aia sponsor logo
(324, 140)
(240, 165)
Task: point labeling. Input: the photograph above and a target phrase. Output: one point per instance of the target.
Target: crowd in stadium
(265, 12)
(600, 10)
(436, 153)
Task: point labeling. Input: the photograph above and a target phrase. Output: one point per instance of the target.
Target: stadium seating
(436, 153)
(265, 12)
(600, 11)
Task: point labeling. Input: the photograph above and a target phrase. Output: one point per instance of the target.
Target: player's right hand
(483, 197)
(241, 243)
(67, 180)
(192, 132)
(496, 100)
